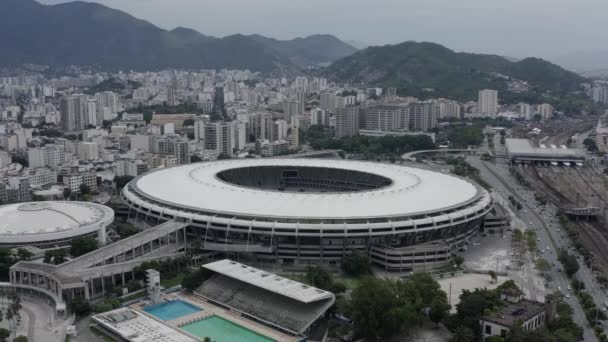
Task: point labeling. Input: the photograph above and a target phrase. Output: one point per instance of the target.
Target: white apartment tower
(487, 102)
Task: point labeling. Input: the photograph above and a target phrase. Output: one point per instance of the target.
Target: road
(545, 223)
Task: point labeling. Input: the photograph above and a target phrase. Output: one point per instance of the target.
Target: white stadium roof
(412, 191)
(268, 281)
(37, 221)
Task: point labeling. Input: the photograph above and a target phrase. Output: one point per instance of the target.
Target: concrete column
(86, 290)
(102, 236)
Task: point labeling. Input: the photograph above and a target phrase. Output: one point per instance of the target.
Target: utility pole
(450, 295)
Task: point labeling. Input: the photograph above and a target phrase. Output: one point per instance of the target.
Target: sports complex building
(52, 224)
(302, 211)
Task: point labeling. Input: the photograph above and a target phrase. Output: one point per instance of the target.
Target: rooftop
(525, 147)
(36, 218)
(136, 327)
(411, 190)
(269, 281)
(510, 313)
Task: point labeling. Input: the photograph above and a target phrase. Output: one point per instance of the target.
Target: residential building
(88, 151)
(546, 111)
(173, 145)
(220, 137)
(261, 126)
(422, 116)
(328, 101)
(385, 117)
(73, 110)
(487, 102)
(347, 121)
(319, 117)
(599, 94)
(275, 148)
(107, 102)
(449, 109)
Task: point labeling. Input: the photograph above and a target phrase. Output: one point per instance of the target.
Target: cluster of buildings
(60, 138)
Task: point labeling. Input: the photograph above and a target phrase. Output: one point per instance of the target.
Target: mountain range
(419, 68)
(83, 33)
(90, 34)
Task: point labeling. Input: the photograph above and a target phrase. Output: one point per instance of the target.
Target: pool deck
(209, 309)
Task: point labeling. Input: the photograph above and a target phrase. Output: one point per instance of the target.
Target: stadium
(305, 211)
(52, 224)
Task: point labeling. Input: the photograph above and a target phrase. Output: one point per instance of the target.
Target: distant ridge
(83, 33)
(417, 67)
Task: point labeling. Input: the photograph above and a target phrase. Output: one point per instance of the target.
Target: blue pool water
(171, 310)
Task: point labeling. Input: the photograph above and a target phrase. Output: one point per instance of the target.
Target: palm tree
(463, 334)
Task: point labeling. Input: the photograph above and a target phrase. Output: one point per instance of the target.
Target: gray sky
(517, 28)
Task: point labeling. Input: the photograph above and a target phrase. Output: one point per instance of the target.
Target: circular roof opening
(303, 179)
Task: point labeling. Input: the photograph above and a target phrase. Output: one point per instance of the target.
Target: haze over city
(517, 28)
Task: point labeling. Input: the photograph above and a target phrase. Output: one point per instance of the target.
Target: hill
(82, 33)
(309, 51)
(421, 69)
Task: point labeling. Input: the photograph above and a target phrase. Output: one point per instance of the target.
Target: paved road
(546, 225)
(31, 323)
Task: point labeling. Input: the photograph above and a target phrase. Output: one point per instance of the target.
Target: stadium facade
(310, 211)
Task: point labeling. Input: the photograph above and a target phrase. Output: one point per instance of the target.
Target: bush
(355, 264)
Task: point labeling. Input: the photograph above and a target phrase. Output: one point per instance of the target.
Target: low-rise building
(531, 315)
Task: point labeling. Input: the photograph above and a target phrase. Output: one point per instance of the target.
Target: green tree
(24, 254)
(319, 277)
(355, 264)
(493, 276)
(4, 334)
(122, 181)
(125, 230)
(82, 245)
(20, 338)
(542, 265)
(80, 306)
(518, 236)
(463, 334)
(458, 261)
(590, 145)
(195, 279)
(439, 310)
(569, 262)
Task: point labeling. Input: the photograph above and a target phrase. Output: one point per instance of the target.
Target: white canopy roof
(269, 281)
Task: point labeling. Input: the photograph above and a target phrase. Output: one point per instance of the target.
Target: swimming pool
(219, 329)
(171, 310)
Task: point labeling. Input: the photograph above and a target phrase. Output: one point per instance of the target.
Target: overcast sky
(517, 28)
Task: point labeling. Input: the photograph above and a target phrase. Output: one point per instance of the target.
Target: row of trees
(381, 308)
(10, 310)
(364, 146)
(8, 258)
